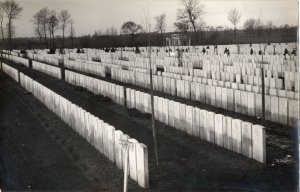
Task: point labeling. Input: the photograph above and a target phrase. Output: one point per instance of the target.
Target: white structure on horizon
(178, 40)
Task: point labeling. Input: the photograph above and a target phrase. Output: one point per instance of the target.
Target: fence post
(30, 63)
(62, 68)
(263, 92)
(125, 144)
(1, 58)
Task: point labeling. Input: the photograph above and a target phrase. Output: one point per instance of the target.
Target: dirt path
(39, 152)
(186, 163)
(30, 158)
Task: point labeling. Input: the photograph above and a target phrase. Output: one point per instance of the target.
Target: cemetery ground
(40, 151)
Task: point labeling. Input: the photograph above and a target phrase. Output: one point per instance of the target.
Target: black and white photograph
(149, 95)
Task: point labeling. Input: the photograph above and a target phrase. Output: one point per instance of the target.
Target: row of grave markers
(241, 137)
(282, 110)
(95, 69)
(167, 83)
(247, 101)
(142, 79)
(17, 59)
(104, 137)
(45, 58)
(10, 71)
(97, 86)
(48, 69)
(232, 134)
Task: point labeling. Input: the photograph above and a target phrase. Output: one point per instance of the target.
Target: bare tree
(37, 21)
(132, 29)
(182, 26)
(12, 10)
(161, 25)
(146, 22)
(259, 29)
(53, 24)
(192, 11)
(64, 18)
(1, 21)
(234, 17)
(72, 33)
(44, 15)
(249, 26)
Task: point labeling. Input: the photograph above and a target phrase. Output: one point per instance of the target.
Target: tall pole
(126, 168)
(263, 88)
(152, 104)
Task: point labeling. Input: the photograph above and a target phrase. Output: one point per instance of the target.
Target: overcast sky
(91, 15)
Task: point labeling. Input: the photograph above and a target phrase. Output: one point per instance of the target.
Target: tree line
(47, 22)
(9, 12)
(189, 21)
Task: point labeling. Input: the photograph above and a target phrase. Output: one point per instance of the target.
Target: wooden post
(62, 67)
(152, 106)
(126, 169)
(1, 58)
(30, 63)
(263, 90)
(121, 53)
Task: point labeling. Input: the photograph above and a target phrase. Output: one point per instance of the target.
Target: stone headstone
(207, 94)
(171, 113)
(259, 143)
(210, 127)
(237, 101)
(165, 111)
(160, 108)
(202, 93)
(203, 132)
(132, 159)
(237, 135)
(142, 165)
(189, 119)
(268, 107)
(218, 97)
(283, 111)
(177, 115)
(244, 102)
(182, 116)
(193, 91)
(290, 95)
(224, 98)
(118, 149)
(258, 105)
(187, 90)
(230, 100)
(213, 95)
(293, 106)
(227, 132)
(274, 109)
(282, 93)
(196, 122)
(273, 92)
(251, 104)
(219, 130)
(247, 139)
